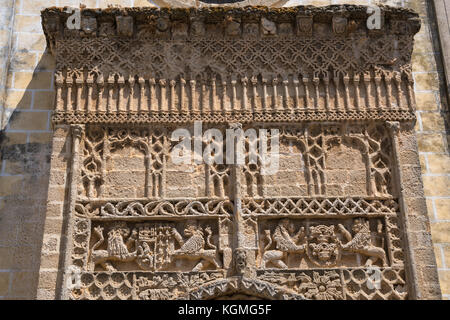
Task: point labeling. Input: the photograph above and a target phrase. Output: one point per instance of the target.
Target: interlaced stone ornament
(345, 201)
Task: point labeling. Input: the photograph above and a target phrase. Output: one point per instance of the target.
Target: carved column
(77, 133)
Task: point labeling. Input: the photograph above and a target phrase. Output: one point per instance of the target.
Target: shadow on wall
(24, 184)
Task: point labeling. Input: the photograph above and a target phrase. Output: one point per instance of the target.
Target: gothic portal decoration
(335, 221)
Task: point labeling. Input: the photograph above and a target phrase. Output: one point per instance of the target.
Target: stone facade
(330, 184)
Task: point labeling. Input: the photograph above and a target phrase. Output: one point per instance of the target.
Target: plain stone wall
(26, 100)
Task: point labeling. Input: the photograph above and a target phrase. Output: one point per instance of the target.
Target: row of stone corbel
(217, 22)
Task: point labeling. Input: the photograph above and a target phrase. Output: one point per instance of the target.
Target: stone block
(432, 122)
(426, 101)
(4, 283)
(442, 209)
(439, 163)
(436, 185)
(430, 142)
(440, 232)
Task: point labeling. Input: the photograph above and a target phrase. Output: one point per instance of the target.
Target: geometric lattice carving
(327, 224)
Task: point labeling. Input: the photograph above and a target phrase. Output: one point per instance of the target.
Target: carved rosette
(146, 228)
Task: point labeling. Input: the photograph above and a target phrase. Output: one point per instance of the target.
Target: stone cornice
(176, 23)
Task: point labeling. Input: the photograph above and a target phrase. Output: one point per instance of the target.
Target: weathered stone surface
(338, 204)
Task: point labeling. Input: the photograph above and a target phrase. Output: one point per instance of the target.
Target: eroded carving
(361, 241)
(285, 243)
(145, 228)
(323, 244)
(154, 246)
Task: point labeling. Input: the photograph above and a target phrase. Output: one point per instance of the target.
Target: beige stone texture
(29, 148)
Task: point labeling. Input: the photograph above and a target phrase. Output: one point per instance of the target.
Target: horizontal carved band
(348, 284)
(212, 207)
(324, 207)
(145, 118)
(226, 22)
(310, 64)
(150, 208)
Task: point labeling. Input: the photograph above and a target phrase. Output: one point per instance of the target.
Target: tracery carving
(261, 68)
(144, 228)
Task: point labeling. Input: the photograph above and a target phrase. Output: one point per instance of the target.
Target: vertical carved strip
(236, 170)
(89, 83)
(204, 105)
(326, 81)
(316, 96)
(78, 87)
(120, 85)
(110, 89)
(286, 92)
(142, 104)
(356, 85)
(212, 104)
(368, 165)
(208, 181)
(388, 83)
(193, 99)
(162, 190)
(76, 133)
(410, 91)
(264, 97)
(296, 90)
(394, 129)
(224, 94)
(172, 84)
(59, 82)
(347, 93)
(336, 90)
(69, 84)
(131, 82)
(254, 81)
(275, 82)
(398, 85)
(152, 107)
(307, 162)
(183, 106)
(163, 96)
(244, 82)
(148, 175)
(377, 90)
(367, 89)
(233, 94)
(106, 156)
(305, 83)
(100, 89)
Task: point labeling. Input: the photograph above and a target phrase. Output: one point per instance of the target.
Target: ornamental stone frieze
(344, 215)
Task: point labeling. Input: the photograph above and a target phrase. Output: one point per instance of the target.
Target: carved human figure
(117, 249)
(194, 247)
(361, 242)
(284, 244)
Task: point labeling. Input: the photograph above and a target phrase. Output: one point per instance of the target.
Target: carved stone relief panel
(132, 223)
(330, 97)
